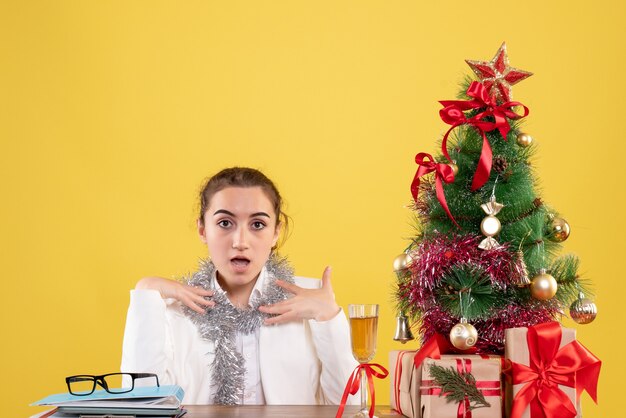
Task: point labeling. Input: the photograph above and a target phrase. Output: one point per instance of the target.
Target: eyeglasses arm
(144, 375)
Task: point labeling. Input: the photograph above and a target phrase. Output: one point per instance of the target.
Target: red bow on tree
(442, 171)
(572, 365)
(452, 114)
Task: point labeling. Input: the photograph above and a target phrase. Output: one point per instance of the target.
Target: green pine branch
(455, 386)
(474, 287)
(564, 269)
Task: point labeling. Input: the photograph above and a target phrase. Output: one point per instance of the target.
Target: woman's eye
(258, 225)
(225, 223)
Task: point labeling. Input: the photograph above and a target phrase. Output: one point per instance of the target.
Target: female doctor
(242, 329)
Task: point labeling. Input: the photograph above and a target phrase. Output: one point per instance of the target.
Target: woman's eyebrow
(229, 213)
(223, 211)
(259, 214)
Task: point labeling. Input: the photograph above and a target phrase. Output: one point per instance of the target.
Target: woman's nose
(240, 239)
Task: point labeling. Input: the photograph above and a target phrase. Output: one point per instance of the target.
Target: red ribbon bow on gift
(442, 171)
(452, 114)
(572, 365)
(354, 383)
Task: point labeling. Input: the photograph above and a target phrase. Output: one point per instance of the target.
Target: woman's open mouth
(240, 264)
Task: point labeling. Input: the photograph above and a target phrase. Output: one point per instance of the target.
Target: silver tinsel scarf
(221, 323)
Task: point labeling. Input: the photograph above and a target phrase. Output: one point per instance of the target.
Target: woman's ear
(201, 230)
(277, 230)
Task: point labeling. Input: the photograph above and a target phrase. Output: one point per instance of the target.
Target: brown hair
(244, 177)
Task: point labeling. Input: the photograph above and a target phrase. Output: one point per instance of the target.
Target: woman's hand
(193, 297)
(318, 304)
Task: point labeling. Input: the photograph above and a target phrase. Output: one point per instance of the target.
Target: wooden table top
(280, 411)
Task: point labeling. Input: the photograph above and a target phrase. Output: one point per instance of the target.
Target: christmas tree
(486, 252)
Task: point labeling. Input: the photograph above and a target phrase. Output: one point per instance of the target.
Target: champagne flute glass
(363, 332)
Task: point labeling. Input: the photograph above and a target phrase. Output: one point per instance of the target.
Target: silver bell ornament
(403, 330)
(583, 310)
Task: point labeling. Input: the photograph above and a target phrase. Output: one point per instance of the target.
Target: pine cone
(499, 164)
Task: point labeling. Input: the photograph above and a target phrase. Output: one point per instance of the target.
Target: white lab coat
(305, 362)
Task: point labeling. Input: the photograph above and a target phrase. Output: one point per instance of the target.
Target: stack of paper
(153, 401)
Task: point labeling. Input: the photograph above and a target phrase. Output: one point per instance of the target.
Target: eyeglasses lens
(81, 385)
(113, 383)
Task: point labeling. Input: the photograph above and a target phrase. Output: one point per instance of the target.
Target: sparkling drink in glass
(363, 333)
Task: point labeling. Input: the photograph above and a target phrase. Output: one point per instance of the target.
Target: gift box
(437, 401)
(405, 382)
(547, 371)
(406, 377)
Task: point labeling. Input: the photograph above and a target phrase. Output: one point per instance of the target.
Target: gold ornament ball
(490, 226)
(401, 262)
(524, 140)
(463, 335)
(559, 230)
(455, 168)
(543, 286)
(583, 311)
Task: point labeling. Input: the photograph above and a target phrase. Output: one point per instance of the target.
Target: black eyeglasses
(85, 384)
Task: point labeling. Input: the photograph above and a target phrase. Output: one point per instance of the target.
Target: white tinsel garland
(221, 323)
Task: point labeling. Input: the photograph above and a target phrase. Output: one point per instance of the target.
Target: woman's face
(240, 228)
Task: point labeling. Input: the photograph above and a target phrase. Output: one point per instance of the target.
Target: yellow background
(112, 113)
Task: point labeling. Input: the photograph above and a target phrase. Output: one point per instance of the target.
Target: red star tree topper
(497, 75)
